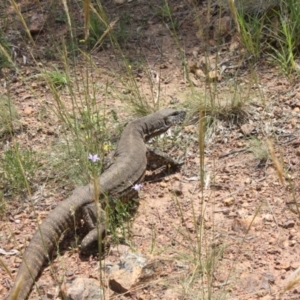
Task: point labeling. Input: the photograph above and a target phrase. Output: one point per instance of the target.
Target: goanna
(128, 168)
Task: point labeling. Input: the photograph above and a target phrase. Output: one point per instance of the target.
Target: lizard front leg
(160, 158)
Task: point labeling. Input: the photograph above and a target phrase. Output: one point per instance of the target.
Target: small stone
(37, 22)
(272, 241)
(240, 225)
(285, 265)
(195, 53)
(177, 188)
(293, 122)
(69, 273)
(234, 45)
(247, 129)
(248, 180)
(26, 96)
(163, 184)
(267, 217)
(200, 74)
(189, 129)
(208, 225)
(27, 110)
(163, 66)
(177, 176)
(214, 75)
(286, 244)
(222, 27)
(190, 226)
(228, 201)
(288, 224)
(126, 91)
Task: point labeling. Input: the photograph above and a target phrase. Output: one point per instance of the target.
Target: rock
(222, 27)
(247, 129)
(288, 224)
(83, 288)
(37, 23)
(133, 269)
(126, 272)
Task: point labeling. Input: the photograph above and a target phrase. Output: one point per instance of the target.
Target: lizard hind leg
(89, 243)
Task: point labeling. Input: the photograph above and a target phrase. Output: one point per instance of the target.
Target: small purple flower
(137, 186)
(93, 157)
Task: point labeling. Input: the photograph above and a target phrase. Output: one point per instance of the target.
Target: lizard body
(128, 168)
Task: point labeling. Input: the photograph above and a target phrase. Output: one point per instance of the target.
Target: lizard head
(172, 117)
(161, 121)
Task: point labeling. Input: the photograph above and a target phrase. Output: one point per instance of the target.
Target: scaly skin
(128, 168)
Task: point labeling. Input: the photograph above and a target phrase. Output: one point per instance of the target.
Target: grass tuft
(56, 78)
(8, 117)
(5, 50)
(18, 169)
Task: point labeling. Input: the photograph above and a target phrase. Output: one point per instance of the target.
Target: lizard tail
(44, 242)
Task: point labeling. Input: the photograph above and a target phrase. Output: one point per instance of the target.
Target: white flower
(137, 186)
(93, 157)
